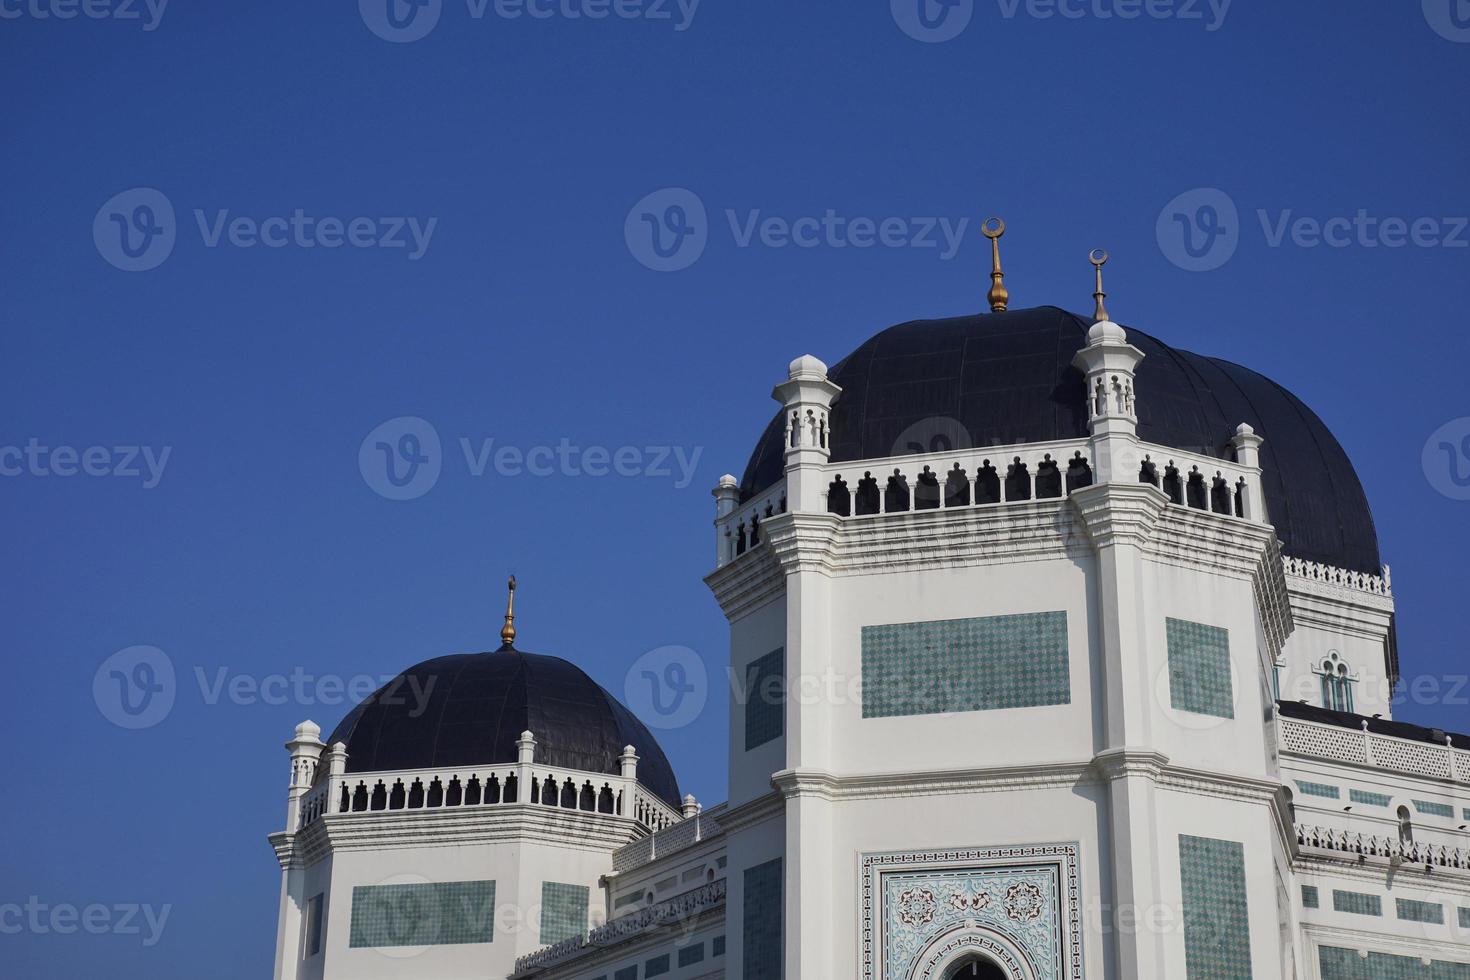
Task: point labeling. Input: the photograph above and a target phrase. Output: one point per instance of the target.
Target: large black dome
(1007, 378)
(478, 704)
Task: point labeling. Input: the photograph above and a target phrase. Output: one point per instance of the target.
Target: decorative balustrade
(1341, 577)
(1390, 848)
(673, 912)
(477, 786)
(1366, 748)
(670, 840)
(972, 478)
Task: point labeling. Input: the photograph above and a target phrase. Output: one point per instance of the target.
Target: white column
(1108, 364)
(727, 498)
(306, 752)
(806, 398)
(1248, 454)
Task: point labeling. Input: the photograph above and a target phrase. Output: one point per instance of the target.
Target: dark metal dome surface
(1007, 378)
(473, 706)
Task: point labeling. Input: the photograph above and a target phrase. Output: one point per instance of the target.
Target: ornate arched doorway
(976, 968)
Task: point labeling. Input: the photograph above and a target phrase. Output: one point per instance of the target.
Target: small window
(1337, 684)
(312, 941)
(657, 966)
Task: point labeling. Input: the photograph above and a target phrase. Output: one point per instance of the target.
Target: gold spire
(999, 297)
(1099, 258)
(508, 631)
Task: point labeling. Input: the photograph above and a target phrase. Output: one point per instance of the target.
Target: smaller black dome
(469, 708)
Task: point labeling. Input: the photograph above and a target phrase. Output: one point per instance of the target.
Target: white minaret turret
(807, 396)
(1108, 364)
(306, 749)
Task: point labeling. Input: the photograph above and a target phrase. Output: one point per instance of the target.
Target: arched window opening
(416, 796)
(987, 485)
(926, 493)
(454, 796)
(1149, 471)
(397, 798)
(568, 795)
(1220, 496)
(839, 499)
(435, 797)
(1337, 683)
(896, 497)
(1173, 485)
(605, 800)
(1406, 827)
(1196, 490)
(1079, 473)
(472, 792)
(1048, 479)
(512, 790)
(867, 495)
(957, 488)
(1018, 481)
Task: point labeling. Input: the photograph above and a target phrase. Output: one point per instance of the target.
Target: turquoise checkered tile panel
(965, 665)
(1431, 809)
(1199, 669)
(690, 955)
(1412, 911)
(657, 966)
(1369, 799)
(1217, 940)
(563, 911)
(761, 929)
(626, 973)
(765, 699)
(717, 946)
(1310, 899)
(448, 913)
(1346, 964)
(1318, 789)
(1356, 903)
(1464, 918)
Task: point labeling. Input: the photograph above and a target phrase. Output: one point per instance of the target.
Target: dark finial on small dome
(508, 631)
(999, 297)
(1099, 258)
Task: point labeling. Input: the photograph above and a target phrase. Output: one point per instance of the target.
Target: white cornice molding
(747, 583)
(1413, 947)
(1119, 513)
(768, 806)
(524, 823)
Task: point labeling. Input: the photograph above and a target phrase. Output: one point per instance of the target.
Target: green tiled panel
(965, 665)
(1369, 799)
(563, 911)
(446, 913)
(1346, 964)
(765, 699)
(690, 955)
(1464, 918)
(1356, 903)
(1217, 941)
(1318, 789)
(761, 941)
(1412, 911)
(717, 946)
(657, 966)
(1199, 669)
(1310, 899)
(1435, 809)
(626, 973)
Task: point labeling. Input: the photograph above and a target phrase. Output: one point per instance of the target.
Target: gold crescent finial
(1099, 258)
(1000, 297)
(508, 631)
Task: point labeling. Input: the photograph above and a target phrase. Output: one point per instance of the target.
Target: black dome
(469, 709)
(1007, 378)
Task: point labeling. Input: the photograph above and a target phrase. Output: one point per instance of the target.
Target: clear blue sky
(528, 319)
